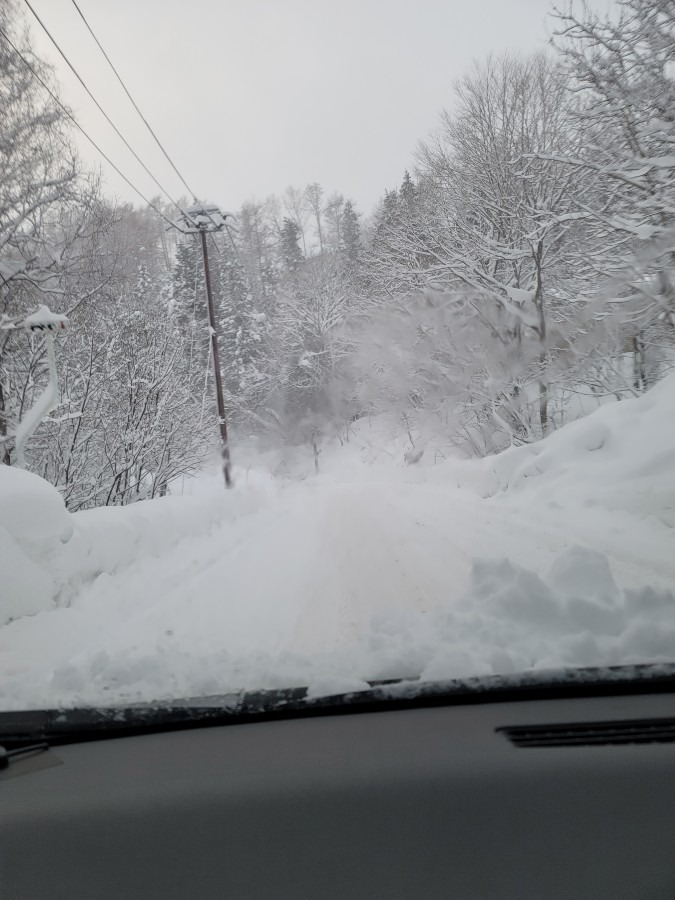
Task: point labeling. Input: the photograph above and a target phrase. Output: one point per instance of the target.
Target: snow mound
(31, 509)
(111, 538)
(33, 524)
(509, 620)
(47, 553)
(512, 620)
(620, 457)
(25, 588)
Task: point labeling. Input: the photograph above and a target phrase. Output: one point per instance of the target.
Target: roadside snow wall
(47, 553)
(620, 457)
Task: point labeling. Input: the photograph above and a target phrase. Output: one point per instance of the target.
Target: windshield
(337, 345)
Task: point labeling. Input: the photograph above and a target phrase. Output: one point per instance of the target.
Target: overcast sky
(250, 96)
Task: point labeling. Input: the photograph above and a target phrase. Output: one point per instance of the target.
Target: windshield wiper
(64, 726)
(7, 756)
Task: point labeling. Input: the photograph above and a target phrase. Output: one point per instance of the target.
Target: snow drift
(369, 573)
(508, 620)
(34, 524)
(47, 554)
(620, 457)
(511, 620)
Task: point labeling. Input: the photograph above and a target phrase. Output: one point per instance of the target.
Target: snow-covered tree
(621, 67)
(314, 206)
(312, 344)
(334, 214)
(295, 204)
(257, 239)
(40, 185)
(490, 218)
(289, 246)
(242, 327)
(351, 233)
(129, 419)
(188, 299)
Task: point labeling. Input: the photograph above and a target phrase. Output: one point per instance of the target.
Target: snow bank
(110, 538)
(512, 620)
(33, 524)
(30, 508)
(367, 572)
(509, 620)
(25, 588)
(47, 553)
(620, 457)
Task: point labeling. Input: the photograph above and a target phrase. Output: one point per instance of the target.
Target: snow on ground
(536, 558)
(621, 458)
(47, 555)
(33, 524)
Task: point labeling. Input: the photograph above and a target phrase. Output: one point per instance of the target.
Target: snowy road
(321, 573)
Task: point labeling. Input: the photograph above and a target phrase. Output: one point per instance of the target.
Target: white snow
(65, 551)
(540, 557)
(518, 295)
(33, 523)
(621, 457)
(43, 317)
(31, 509)
(25, 588)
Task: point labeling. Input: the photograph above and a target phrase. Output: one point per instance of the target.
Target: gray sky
(250, 96)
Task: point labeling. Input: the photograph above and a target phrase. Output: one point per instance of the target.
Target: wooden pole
(222, 423)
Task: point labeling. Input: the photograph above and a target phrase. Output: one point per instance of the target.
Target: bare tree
(334, 212)
(312, 350)
(295, 204)
(38, 172)
(496, 219)
(314, 204)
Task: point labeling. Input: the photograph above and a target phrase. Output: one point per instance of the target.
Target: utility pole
(202, 220)
(222, 423)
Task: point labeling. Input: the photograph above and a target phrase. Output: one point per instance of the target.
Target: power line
(68, 113)
(98, 105)
(136, 107)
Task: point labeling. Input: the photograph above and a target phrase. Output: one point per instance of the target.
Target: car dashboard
(540, 797)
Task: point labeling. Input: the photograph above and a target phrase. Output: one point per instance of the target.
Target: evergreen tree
(407, 193)
(388, 214)
(385, 220)
(188, 295)
(240, 327)
(351, 232)
(291, 254)
(143, 286)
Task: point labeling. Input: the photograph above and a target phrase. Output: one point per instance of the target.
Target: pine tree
(385, 221)
(188, 303)
(408, 193)
(240, 329)
(388, 214)
(289, 246)
(143, 285)
(351, 232)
